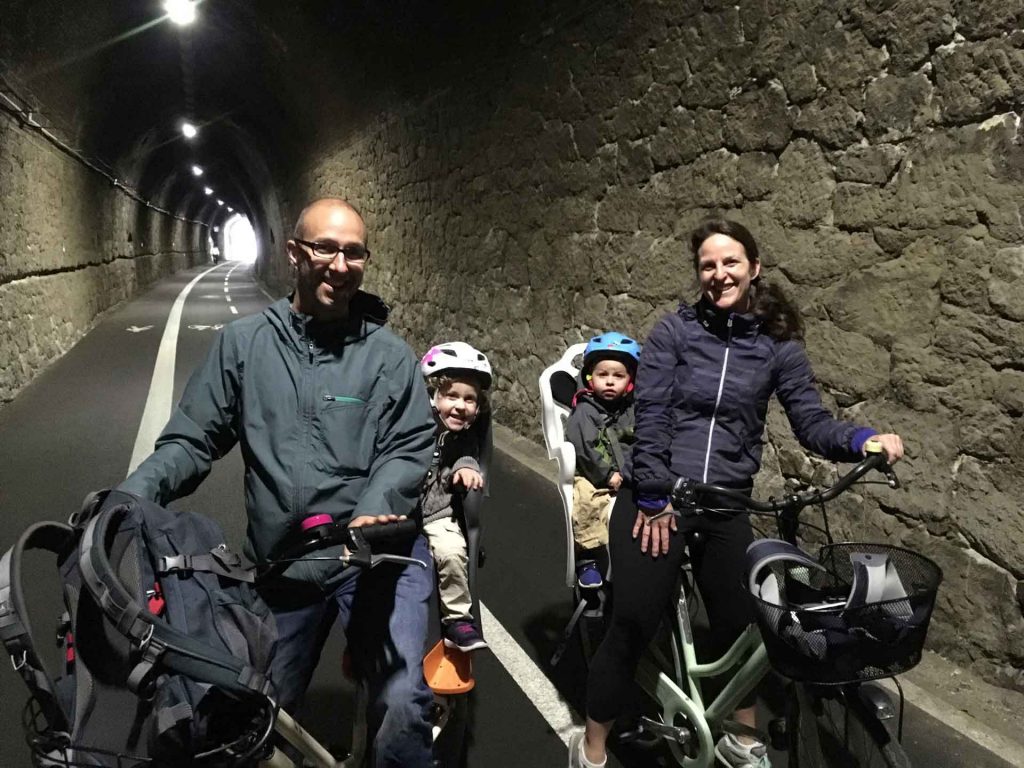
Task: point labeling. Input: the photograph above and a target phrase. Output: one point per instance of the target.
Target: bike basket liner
(822, 623)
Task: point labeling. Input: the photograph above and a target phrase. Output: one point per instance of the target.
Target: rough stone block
(909, 29)
(803, 194)
(831, 120)
(1006, 285)
(974, 78)
(897, 107)
(868, 164)
(758, 120)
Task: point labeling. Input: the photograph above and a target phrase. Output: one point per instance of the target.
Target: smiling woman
(239, 240)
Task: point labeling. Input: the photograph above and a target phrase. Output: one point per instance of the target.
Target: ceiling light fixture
(181, 12)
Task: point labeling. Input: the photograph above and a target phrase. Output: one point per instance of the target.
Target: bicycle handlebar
(684, 492)
(321, 532)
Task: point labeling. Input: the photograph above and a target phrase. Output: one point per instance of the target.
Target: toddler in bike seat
(601, 428)
(458, 377)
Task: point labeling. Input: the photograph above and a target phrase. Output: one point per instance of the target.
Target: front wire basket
(815, 638)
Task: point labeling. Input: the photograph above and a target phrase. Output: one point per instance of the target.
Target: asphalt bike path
(74, 429)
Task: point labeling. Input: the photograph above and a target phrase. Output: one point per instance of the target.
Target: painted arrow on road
(138, 328)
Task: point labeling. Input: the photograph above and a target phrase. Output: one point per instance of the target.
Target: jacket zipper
(718, 399)
(307, 402)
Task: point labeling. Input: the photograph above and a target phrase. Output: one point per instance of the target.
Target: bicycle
(840, 722)
(318, 533)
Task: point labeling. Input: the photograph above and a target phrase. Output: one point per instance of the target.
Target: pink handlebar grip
(314, 520)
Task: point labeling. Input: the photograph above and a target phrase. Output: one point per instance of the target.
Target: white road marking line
(234, 310)
(227, 297)
(161, 386)
(225, 288)
(528, 676)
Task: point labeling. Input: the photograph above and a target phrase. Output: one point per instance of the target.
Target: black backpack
(167, 645)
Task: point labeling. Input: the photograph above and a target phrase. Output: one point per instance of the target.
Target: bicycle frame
(747, 652)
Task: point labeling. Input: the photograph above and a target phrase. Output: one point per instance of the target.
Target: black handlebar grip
(386, 534)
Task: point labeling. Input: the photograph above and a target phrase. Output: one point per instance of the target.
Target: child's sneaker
(588, 575)
(463, 635)
(735, 754)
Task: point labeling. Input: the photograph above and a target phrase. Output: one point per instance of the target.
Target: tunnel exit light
(189, 130)
(181, 12)
(240, 243)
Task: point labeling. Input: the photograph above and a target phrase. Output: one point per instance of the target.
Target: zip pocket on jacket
(344, 399)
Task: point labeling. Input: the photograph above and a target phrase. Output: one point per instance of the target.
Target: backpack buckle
(175, 563)
(19, 664)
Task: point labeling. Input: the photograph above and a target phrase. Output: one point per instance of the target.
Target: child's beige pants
(590, 511)
(448, 546)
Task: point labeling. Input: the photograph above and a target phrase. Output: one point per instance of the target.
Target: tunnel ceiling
(264, 80)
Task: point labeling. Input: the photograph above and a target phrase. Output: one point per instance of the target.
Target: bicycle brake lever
(376, 560)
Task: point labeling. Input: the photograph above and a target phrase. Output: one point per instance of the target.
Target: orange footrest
(448, 671)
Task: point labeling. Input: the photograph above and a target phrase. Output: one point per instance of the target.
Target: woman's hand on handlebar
(655, 532)
(892, 446)
(359, 522)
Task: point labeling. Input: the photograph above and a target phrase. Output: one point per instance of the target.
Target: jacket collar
(367, 313)
(615, 407)
(717, 320)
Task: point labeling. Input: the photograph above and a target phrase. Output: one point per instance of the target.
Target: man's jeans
(384, 614)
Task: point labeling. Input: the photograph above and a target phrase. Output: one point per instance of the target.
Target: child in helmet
(458, 377)
(600, 427)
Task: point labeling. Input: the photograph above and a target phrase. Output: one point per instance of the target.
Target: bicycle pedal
(639, 738)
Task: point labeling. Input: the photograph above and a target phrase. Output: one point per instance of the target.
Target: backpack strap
(220, 560)
(15, 628)
(162, 646)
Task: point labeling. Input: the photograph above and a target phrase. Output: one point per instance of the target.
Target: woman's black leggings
(644, 585)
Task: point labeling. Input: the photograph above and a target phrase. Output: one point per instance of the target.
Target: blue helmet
(611, 346)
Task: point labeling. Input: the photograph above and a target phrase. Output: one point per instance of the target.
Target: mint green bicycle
(830, 624)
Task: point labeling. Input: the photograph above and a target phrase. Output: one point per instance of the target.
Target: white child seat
(558, 383)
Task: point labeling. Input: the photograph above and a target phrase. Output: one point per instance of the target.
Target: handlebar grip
(384, 534)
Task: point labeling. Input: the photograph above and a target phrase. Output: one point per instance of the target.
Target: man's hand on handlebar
(359, 522)
(892, 446)
(655, 530)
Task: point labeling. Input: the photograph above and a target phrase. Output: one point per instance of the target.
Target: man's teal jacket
(332, 418)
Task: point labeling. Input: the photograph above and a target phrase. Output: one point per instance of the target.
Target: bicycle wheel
(835, 726)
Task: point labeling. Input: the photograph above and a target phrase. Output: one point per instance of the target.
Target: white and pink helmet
(456, 356)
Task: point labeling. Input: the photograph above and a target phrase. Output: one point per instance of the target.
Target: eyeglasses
(354, 253)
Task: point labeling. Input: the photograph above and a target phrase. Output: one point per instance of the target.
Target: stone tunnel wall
(71, 247)
(872, 147)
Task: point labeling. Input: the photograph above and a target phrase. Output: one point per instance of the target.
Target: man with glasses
(333, 419)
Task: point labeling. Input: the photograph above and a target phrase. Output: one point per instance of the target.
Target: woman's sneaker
(463, 635)
(576, 759)
(588, 575)
(735, 754)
